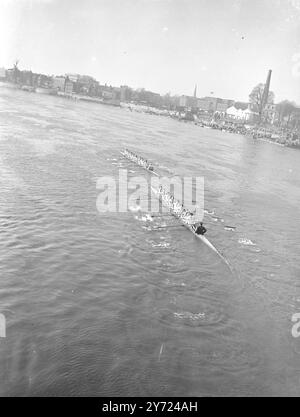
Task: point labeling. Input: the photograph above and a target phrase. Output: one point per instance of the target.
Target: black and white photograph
(149, 201)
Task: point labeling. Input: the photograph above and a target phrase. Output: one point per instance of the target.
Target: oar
(162, 215)
(171, 215)
(167, 227)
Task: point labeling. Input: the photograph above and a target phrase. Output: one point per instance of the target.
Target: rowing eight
(189, 226)
(166, 203)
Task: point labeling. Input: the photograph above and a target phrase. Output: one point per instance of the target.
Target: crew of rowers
(139, 160)
(185, 215)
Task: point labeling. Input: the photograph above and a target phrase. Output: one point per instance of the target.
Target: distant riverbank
(279, 138)
(54, 92)
(288, 139)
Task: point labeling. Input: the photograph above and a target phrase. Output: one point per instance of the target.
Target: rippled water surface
(102, 304)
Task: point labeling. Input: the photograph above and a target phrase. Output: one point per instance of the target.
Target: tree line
(287, 112)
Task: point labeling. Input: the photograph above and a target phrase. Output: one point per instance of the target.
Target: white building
(239, 114)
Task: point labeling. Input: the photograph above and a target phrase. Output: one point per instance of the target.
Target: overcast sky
(223, 46)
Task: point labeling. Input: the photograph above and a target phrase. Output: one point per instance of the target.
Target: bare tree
(257, 99)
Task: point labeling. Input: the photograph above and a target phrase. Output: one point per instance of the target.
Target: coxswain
(200, 229)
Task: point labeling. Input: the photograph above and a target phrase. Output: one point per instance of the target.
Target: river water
(102, 304)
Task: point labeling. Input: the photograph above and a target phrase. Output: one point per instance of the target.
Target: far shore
(270, 135)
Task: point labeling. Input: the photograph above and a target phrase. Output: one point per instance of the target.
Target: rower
(200, 229)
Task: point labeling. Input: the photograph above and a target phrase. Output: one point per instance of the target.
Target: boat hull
(189, 227)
